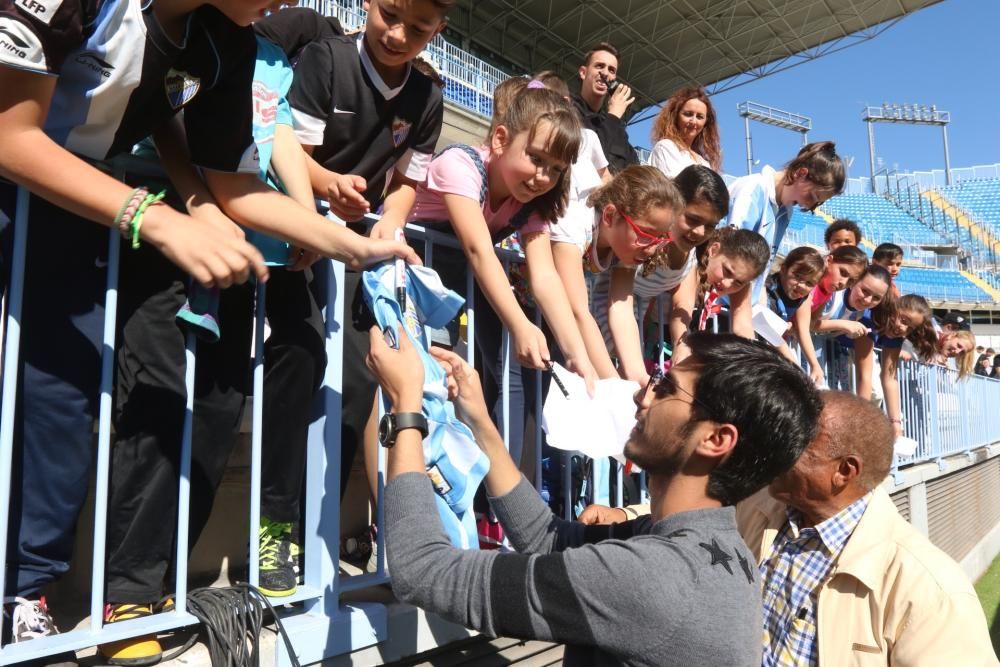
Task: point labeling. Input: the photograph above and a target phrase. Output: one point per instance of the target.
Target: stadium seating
(805, 228)
(938, 284)
(882, 220)
(981, 197)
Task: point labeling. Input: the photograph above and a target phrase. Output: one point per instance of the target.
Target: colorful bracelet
(128, 210)
(136, 223)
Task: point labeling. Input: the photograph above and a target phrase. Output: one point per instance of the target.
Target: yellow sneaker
(136, 651)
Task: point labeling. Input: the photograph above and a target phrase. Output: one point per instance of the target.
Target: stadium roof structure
(664, 44)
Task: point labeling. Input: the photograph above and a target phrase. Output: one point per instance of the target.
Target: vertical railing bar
(470, 319)
(104, 435)
(538, 417)
(567, 485)
(256, 430)
(505, 375)
(184, 481)
(15, 293)
(381, 465)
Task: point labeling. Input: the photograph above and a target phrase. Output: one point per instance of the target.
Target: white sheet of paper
(769, 325)
(597, 426)
(904, 446)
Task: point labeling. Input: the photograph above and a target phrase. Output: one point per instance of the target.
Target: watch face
(384, 428)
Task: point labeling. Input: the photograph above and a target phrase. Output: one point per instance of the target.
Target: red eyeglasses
(644, 239)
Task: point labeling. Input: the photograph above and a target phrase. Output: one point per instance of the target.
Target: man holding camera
(598, 82)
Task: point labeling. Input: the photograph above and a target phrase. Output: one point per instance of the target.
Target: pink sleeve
(534, 224)
(454, 173)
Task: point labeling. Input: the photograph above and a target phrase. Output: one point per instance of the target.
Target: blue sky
(944, 55)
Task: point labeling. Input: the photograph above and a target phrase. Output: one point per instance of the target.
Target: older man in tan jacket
(847, 581)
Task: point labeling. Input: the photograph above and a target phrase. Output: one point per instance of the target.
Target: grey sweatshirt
(682, 591)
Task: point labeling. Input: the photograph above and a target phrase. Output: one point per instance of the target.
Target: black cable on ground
(231, 620)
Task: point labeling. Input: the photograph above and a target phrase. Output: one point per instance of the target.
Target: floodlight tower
(771, 116)
(907, 114)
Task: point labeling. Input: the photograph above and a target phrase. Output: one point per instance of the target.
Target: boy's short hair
(600, 46)
(887, 252)
(842, 224)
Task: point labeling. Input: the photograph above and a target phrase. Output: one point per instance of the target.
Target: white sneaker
(30, 619)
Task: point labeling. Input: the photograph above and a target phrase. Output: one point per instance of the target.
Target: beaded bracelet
(136, 222)
(128, 210)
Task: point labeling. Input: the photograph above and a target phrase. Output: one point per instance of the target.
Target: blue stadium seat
(882, 220)
(981, 197)
(940, 284)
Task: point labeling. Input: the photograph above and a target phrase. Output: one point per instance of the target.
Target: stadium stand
(979, 197)
(887, 222)
(940, 285)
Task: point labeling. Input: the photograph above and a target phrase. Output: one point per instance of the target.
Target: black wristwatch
(394, 422)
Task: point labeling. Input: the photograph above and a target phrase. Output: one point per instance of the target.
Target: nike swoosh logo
(336, 110)
(100, 263)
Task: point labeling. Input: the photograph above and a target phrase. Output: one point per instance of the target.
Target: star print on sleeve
(719, 556)
(745, 564)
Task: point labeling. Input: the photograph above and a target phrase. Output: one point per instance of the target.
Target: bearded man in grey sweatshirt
(730, 416)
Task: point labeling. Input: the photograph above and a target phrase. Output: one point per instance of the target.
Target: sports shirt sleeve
(37, 35)
(454, 173)
(284, 116)
(746, 205)
(573, 596)
(417, 159)
(219, 122)
(311, 96)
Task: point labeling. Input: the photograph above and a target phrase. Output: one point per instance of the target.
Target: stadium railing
(943, 415)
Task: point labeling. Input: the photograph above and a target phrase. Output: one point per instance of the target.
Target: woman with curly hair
(685, 132)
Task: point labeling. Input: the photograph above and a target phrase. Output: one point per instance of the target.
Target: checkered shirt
(799, 561)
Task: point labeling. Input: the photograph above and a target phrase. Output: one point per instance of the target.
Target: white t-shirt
(577, 224)
(671, 159)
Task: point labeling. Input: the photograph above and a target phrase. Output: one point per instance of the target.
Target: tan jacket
(891, 598)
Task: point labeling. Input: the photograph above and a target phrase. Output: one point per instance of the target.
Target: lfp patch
(181, 87)
(400, 131)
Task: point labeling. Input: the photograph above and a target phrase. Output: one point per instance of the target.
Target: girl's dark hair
(885, 311)
(843, 224)
(699, 183)
(826, 169)
(735, 243)
(887, 251)
(636, 189)
(804, 263)
(526, 111)
(851, 255)
(923, 337)
(706, 144)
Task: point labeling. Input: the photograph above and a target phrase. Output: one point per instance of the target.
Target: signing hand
(464, 388)
(400, 372)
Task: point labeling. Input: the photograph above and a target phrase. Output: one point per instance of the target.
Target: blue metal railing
(469, 81)
(943, 415)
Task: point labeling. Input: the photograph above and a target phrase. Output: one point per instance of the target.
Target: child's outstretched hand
(530, 345)
(345, 197)
(584, 369)
(373, 251)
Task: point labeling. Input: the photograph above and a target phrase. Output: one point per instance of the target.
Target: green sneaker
(277, 564)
